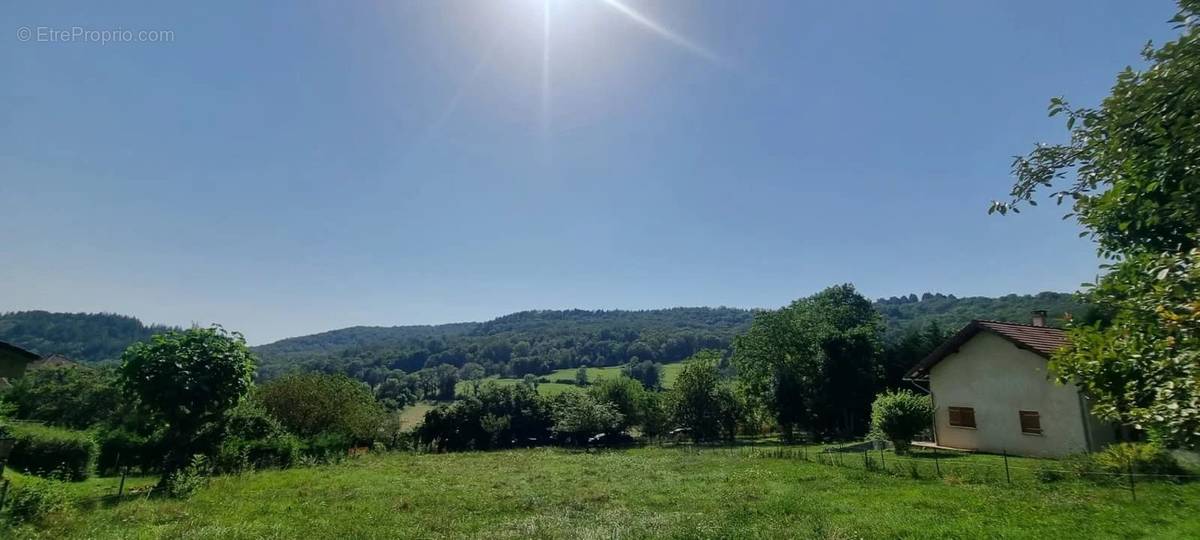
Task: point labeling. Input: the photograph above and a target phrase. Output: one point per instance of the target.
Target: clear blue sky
(292, 168)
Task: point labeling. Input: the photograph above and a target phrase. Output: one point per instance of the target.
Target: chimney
(1039, 317)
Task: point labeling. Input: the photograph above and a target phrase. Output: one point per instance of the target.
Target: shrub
(183, 482)
(120, 447)
(1144, 459)
(900, 416)
(314, 404)
(45, 451)
(33, 498)
(255, 439)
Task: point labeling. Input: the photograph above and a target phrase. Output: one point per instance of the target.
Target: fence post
(1132, 490)
(1007, 475)
(937, 465)
(121, 488)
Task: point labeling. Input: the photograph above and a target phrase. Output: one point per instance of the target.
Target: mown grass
(643, 492)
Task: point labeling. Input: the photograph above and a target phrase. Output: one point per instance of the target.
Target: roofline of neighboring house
(920, 372)
(13, 348)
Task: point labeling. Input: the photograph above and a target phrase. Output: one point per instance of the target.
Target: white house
(992, 393)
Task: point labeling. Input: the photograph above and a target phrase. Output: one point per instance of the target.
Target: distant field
(670, 373)
(644, 492)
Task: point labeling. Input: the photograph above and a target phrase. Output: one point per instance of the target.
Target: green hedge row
(50, 451)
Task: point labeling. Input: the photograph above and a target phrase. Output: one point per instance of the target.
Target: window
(962, 417)
(1031, 422)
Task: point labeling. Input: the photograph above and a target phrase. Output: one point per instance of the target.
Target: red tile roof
(1040, 340)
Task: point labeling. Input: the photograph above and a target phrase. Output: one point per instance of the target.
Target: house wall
(12, 363)
(997, 379)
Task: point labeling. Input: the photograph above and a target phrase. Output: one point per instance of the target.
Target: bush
(313, 404)
(1144, 458)
(33, 498)
(120, 447)
(47, 451)
(900, 416)
(579, 416)
(253, 439)
(182, 483)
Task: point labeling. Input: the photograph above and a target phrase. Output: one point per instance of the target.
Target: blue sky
(298, 167)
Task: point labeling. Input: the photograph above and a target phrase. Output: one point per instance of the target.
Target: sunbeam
(664, 32)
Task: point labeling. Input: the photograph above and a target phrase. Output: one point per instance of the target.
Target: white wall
(997, 379)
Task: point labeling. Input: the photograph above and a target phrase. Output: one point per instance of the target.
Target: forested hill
(911, 312)
(85, 337)
(512, 345)
(525, 342)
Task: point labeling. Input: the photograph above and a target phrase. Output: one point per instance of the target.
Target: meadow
(680, 492)
(553, 388)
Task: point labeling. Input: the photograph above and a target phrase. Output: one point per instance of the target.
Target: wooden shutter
(1031, 422)
(962, 417)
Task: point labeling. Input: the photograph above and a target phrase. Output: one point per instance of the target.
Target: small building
(14, 360)
(992, 392)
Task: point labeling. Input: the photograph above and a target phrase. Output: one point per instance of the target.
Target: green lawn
(636, 493)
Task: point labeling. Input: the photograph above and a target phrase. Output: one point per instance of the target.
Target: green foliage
(124, 447)
(77, 397)
(1136, 191)
(1142, 457)
(189, 380)
(578, 416)
(312, 404)
(33, 499)
(254, 439)
(581, 376)
(628, 396)
(85, 337)
(498, 416)
(701, 403)
(186, 481)
(50, 451)
(646, 372)
(900, 416)
(908, 314)
(536, 342)
(814, 363)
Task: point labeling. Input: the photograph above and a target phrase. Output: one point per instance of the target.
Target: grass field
(670, 372)
(636, 493)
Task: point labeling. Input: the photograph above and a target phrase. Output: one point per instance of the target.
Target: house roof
(53, 361)
(1040, 340)
(17, 350)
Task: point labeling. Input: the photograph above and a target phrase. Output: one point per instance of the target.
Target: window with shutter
(962, 417)
(1031, 422)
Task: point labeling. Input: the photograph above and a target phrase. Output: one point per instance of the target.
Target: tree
(189, 379)
(628, 396)
(1136, 191)
(73, 396)
(472, 372)
(581, 376)
(578, 417)
(696, 401)
(647, 372)
(315, 404)
(900, 416)
(814, 363)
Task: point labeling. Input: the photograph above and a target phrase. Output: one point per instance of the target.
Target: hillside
(85, 337)
(911, 312)
(512, 345)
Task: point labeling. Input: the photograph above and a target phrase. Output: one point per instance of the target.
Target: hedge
(53, 452)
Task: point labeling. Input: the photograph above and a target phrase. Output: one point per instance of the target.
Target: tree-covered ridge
(513, 345)
(535, 342)
(86, 337)
(905, 313)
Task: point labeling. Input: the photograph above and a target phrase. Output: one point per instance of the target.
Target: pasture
(681, 492)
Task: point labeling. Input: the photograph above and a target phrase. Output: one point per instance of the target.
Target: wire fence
(960, 467)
